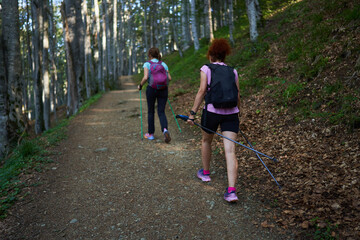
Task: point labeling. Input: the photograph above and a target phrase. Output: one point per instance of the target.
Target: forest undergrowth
(300, 103)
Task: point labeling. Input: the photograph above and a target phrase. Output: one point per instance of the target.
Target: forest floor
(107, 183)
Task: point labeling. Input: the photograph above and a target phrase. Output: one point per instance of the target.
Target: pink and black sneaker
(202, 176)
(230, 196)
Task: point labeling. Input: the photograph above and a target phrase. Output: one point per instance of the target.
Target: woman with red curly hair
(212, 117)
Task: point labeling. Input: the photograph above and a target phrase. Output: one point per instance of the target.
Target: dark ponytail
(154, 53)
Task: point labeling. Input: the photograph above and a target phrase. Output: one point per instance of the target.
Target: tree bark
(186, 38)
(54, 78)
(145, 27)
(194, 26)
(4, 141)
(72, 44)
(251, 12)
(98, 49)
(11, 38)
(105, 72)
(45, 63)
(122, 42)
(174, 32)
(38, 88)
(231, 21)
(208, 20)
(87, 49)
(114, 44)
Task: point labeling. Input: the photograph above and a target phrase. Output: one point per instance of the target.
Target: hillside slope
(301, 89)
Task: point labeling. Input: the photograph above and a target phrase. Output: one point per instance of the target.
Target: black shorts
(227, 122)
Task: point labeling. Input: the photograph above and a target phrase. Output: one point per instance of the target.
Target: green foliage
(352, 14)
(291, 91)
(325, 233)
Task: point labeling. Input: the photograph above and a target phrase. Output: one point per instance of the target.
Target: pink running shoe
(230, 197)
(202, 176)
(149, 136)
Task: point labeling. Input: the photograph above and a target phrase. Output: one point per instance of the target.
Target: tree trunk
(72, 45)
(122, 42)
(87, 49)
(45, 63)
(251, 12)
(11, 38)
(186, 40)
(107, 31)
(54, 89)
(4, 141)
(98, 49)
(145, 26)
(208, 20)
(38, 88)
(194, 26)
(231, 21)
(103, 47)
(30, 70)
(114, 43)
(174, 29)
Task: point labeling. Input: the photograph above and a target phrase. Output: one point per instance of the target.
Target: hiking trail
(107, 183)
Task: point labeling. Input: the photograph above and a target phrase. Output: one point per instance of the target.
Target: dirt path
(108, 184)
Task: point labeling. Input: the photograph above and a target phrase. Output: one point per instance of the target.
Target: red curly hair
(218, 50)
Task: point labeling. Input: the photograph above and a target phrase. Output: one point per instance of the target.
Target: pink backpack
(158, 75)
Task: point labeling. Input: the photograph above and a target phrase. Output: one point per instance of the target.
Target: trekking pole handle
(183, 117)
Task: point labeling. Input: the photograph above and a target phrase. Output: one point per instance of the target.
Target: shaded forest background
(298, 63)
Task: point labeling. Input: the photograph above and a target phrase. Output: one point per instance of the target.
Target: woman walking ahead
(221, 108)
(156, 73)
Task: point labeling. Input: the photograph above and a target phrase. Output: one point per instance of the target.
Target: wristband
(192, 112)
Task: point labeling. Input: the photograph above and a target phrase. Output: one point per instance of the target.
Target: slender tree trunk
(30, 62)
(38, 88)
(98, 50)
(45, 63)
(114, 42)
(54, 75)
(226, 13)
(79, 49)
(251, 12)
(87, 49)
(152, 23)
(103, 47)
(194, 25)
(11, 38)
(145, 26)
(174, 30)
(4, 141)
(106, 12)
(208, 20)
(186, 36)
(122, 42)
(231, 21)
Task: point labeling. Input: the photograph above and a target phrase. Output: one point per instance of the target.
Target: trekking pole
(174, 115)
(142, 135)
(260, 159)
(185, 118)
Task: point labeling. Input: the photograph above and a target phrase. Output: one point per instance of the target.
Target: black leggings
(161, 96)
